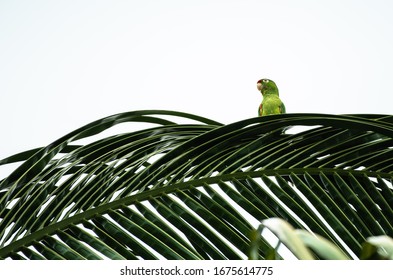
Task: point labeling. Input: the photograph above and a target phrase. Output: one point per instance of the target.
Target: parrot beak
(259, 86)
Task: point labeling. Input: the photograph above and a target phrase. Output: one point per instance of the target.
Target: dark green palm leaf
(186, 187)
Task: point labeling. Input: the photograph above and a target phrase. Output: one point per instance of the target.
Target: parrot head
(267, 86)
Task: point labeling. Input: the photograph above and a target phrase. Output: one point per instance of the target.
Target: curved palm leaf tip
(192, 188)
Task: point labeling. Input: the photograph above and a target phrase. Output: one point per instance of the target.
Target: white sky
(64, 64)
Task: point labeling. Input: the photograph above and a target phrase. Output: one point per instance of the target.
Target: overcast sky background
(64, 64)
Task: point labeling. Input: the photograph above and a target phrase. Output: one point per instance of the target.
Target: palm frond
(186, 187)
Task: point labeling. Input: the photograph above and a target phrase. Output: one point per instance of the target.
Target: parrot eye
(265, 81)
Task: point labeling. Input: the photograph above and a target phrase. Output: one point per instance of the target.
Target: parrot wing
(282, 108)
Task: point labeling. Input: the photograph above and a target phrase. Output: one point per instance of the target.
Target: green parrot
(271, 102)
